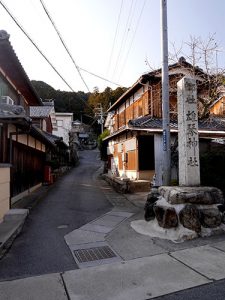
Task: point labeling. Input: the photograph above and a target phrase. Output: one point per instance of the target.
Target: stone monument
(188, 142)
(189, 206)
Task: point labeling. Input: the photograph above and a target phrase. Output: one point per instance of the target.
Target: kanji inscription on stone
(188, 141)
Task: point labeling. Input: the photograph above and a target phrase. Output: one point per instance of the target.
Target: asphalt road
(71, 202)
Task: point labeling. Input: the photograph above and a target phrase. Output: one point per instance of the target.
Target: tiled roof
(40, 111)
(147, 122)
(178, 67)
(51, 139)
(13, 69)
(54, 139)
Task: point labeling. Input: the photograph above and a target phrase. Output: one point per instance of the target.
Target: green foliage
(75, 102)
(64, 101)
(106, 98)
(103, 145)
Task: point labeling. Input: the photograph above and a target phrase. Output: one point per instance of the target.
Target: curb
(10, 227)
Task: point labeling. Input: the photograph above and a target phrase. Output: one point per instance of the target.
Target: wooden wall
(28, 168)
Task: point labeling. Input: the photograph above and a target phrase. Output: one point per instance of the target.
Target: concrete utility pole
(165, 97)
(100, 114)
(102, 120)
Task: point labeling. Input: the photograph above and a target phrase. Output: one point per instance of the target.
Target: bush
(102, 145)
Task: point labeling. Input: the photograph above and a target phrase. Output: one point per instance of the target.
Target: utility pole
(100, 114)
(165, 97)
(101, 119)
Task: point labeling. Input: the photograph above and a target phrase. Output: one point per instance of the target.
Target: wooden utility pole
(165, 97)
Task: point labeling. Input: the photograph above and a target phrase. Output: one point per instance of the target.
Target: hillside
(79, 103)
(64, 101)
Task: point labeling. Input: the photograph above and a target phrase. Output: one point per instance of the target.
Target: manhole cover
(93, 254)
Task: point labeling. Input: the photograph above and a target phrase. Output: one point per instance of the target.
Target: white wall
(64, 125)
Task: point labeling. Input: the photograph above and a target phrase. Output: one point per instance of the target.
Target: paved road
(72, 202)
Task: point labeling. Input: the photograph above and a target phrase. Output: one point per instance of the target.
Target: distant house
(23, 146)
(135, 125)
(41, 117)
(218, 107)
(63, 125)
(44, 118)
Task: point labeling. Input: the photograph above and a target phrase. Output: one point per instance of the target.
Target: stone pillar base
(200, 209)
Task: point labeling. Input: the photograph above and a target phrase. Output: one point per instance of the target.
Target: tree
(203, 57)
(103, 145)
(106, 98)
(74, 102)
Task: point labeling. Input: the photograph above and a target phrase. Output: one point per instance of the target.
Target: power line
(48, 61)
(64, 44)
(42, 54)
(135, 31)
(114, 40)
(77, 67)
(35, 45)
(124, 38)
(100, 77)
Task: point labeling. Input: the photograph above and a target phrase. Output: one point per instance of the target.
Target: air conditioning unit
(6, 100)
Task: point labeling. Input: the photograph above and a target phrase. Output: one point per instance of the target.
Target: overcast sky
(90, 28)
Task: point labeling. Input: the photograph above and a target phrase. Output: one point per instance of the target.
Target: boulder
(210, 218)
(193, 195)
(149, 211)
(221, 207)
(151, 199)
(166, 216)
(153, 196)
(189, 217)
(223, 218)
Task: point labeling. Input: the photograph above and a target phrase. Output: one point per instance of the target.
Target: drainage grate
(93, 254)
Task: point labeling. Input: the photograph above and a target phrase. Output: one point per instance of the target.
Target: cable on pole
(39, 50)
(131, 43)
(64, 44)
(93, 74)
(114, 40)
(124, 38)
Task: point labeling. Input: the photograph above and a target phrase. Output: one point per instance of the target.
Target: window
(59, 123)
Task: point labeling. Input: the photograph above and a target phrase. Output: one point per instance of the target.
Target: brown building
(135, 124)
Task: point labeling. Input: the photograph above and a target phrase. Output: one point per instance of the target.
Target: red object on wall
(47, 174)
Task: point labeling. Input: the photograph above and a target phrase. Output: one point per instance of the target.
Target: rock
(193, 195)
(149, 211)
(153, 196)
(166, 216)
(223, 218)
(189, 218)
(210, 218)
(221, 207)
(151, 199)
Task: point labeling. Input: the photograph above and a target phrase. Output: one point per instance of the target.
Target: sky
(110, 38)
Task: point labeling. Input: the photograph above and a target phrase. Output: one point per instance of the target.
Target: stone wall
(4, 189)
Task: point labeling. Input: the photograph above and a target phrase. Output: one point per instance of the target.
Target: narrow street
(71, 202)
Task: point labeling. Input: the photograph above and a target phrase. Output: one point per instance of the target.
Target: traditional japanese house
(23, 146)
(134, 121)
